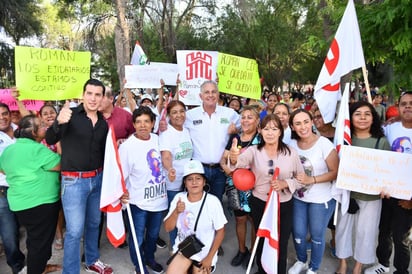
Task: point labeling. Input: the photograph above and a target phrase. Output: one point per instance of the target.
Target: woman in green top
(31, 172)
(364, 212)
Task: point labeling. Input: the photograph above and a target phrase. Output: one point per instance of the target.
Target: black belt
(217, 165)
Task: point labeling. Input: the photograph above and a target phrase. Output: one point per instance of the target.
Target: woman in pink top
(263, 159)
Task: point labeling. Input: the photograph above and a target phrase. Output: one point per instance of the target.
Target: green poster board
(238, 76)
(48, 74)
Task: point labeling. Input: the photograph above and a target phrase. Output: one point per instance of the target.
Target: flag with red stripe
(269, 229)
(345, 54)
(113, 187)
(343, 137)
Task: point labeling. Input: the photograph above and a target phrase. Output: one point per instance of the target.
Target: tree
(19, 18)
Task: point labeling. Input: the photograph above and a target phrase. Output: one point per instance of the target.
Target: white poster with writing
(195, 67)
(372, 171)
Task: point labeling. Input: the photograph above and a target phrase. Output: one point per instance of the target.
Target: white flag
(113, 187)
(138, 56)
(345, 54)
(342, 137)
(269, 229)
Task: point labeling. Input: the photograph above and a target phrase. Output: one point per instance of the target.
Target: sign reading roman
(47, 74)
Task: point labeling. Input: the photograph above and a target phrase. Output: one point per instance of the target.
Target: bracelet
(314, 180)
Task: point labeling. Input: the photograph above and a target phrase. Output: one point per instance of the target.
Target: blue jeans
(216, 179)
(9, 232)
(147, 226)
(315, 217)
(172, 234)
(81, 206)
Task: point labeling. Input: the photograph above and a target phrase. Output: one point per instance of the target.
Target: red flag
(269, 229)
(113, 187)
(138, 56)
(345, 54)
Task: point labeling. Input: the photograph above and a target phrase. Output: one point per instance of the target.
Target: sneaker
(377, 269)
(213, 269)
(157, 268)
(238, 259)
(310, 271)
(297, 267)
(160, 243)
(99, 267)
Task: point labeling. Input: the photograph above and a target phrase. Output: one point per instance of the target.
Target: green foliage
(19, 18)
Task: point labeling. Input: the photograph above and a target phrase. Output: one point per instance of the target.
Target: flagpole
(136, 245)
(252, 256)
(365, 77)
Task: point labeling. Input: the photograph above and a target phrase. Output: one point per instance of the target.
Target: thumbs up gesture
(234, 152)
(180, 206)
(65, 114)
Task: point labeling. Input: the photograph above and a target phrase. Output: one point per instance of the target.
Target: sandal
(52, 268)
(58, 244)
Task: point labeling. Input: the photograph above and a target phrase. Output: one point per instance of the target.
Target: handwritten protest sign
(195, 67)
(148, 76)
(141, 76)
(167, 71)
(47, 74)
(6, 98)
(370, 171)
(238, 76)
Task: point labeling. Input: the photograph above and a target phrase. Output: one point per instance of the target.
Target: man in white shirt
(210, 126)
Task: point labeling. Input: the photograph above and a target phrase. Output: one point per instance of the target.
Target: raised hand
(180, 206)
(65, 114)
(234, 152)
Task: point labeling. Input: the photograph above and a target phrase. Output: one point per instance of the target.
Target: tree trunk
(122, 40)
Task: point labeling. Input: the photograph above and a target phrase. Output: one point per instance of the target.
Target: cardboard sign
(371, 171)
(141, 76)
(238, 76)
(47, 74)
(6, 98)
(148, 76)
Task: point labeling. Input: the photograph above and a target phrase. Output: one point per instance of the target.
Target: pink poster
(6, 98)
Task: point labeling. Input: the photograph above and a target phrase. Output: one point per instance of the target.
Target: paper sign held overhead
(47, 74)
(238, 76)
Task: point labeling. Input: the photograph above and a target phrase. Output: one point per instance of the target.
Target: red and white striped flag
(343, 137)
(269, 229)
(138, 56)
(113, 187)
(345, 54)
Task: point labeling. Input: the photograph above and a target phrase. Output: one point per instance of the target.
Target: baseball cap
(147, 96)
(193, 166)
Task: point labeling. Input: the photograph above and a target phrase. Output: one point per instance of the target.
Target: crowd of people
(177, 162)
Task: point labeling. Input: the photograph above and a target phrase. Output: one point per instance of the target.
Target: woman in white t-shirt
(182, 215)
(176, 150)
(313, 204)
(146, 186)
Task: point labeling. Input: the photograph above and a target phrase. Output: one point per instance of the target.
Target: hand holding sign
(65, 114)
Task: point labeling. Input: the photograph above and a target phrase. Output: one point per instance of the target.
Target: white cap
(193, 166)
(146, 96)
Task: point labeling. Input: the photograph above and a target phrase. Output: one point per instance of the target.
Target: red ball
(243, 179)
(392, 111)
